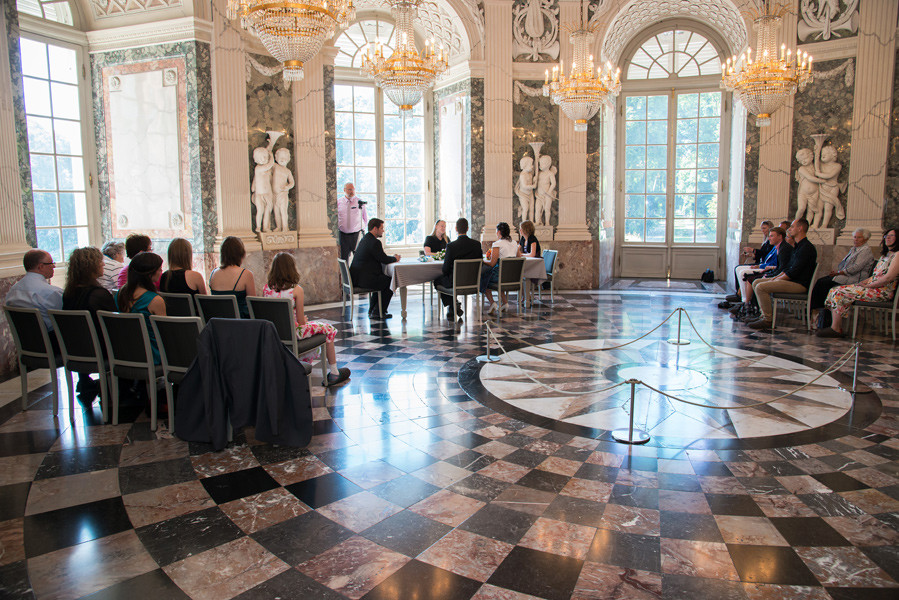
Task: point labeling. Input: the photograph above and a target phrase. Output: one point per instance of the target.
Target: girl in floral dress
(283, 280)
(880, 287)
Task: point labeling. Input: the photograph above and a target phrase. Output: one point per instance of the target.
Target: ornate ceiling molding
(721, 15)
(112, 8)
(434, 20)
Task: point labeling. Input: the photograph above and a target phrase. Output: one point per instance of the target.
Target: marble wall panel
(270, 108)
(576, 270)
(200, 137)
(9, 362)
(18, 100)
(535, 119)
(331, 151)
(476, 146)
(319, 276)
(594, 173)
(891, 195)
(750, 178)
(824, 107)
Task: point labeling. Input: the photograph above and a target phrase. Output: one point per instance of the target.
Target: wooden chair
(551, 264)
(350, 290)
(177, 340)
(35, 350)
(802, 303)
(280, 311)
(179, 305)
(509, 279)
(81, 351)
(466, 279)
(220, 306)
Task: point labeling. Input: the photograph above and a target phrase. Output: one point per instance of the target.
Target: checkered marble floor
(412, 488)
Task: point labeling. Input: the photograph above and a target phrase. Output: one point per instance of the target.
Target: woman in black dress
(438, 240)
(529, 245)
(180, 279)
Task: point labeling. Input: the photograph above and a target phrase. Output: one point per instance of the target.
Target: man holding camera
(351, 218)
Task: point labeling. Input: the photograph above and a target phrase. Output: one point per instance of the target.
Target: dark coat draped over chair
(243, 373)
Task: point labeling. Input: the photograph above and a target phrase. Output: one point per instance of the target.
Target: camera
(361, 202)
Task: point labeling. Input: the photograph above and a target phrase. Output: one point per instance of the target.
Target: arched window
(382, 150)
(673, 143)
(52, 10)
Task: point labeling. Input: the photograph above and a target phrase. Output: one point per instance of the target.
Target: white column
(776, 144)
(229, 102)
(498, 114)
(12, 217)
(310, 152)
(572, 154)
(871, 118)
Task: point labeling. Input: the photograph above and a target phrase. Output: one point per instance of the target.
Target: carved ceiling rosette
(535, 27)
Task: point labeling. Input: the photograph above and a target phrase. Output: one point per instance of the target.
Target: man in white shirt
(34, 289)
(351, 219)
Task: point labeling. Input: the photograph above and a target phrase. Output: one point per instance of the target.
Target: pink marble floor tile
(71, 490)
(448, 508)
(874, 478)
(524, 499)
(444, 449)
(606, 581)
(803, 484)
(542, 446)
(762, 591)
(297, 469)
(756, 531)
(225, 571)
(84, 437)
(496, 449)
(865, 530)
(160, 504)
(637, 478)
(371, 474)
(721, 485)
(505, 471)
(783, 506)
(562, 466)
(558, 537)
(441, 474)
(229, 460)
(259, 511)
(583, 443)
(354, 566)
(872, 501)
(697, 559)
(747, 469)
(359, 511)
(12, 541)
(140, 453)
(605, 459)
(467, 554)
(688, 502)
(493, 432)
(20, 468)
(598, 491)
(628, 519)
(844, 567)
(491, 592)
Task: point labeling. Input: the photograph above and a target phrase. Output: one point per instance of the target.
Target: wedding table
(411, 271)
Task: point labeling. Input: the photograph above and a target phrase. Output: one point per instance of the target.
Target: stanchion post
(631, 435)
(486, 358)
(679, 341)
(856, 388)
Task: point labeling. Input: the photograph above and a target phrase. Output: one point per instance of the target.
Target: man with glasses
(34, 289)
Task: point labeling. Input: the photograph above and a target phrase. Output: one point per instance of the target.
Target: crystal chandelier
(582, 93)
(406, 74)
(293, 32)
(765, 83)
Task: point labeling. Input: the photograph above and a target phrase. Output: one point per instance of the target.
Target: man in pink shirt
(351, 219)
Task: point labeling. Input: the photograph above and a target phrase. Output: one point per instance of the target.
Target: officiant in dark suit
(367, 269)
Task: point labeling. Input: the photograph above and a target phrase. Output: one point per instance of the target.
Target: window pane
(414, 232)
(394, 232)
(37, 96)
(685, 181)
(707, 180)
(345, 175)
(415, 155)
(65, 100)
(633, 206)
(34, 58)
(655, 206)
(364, 99)
(687, 105)
(73, 208)
(415, 129)
(709, 129)
(683, 230)
(685, 157)
(686, 131)
(707, 206)
(393, 207)
(343, 125)
(43, 172)
(73, 237)
(635, 133)
(684, 205)
(393, 181)
(68, 136)
(345, 153)
(656, 157)
(393, 129)
(655, 182)
(656, 132)
(655, 230)
(343, 97)
(366, 180)
(710, 104)
(40, 134)
(63, 64)
(414, 207)
(70, 172)
(635, 157)
(414, 181)
(708, 155)
(48, 239)
(633, 230)
(364, 126)
(365, 154)
(657, 107)
(706, 231)
(634, 182)
(46, 213)
(635, 108)
(393, 154)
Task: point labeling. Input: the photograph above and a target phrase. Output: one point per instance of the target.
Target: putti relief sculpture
(263, 196)
(536, 29)
(808, 197)
(546, 190)
(818, 195)
(524, 188)
(828, 169)
(282, 182)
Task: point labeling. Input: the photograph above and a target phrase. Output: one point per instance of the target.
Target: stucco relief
(821, 20)
(111, 8)
(536, 30)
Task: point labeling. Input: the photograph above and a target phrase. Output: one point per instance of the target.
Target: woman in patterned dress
(880, 287)
(283, 280)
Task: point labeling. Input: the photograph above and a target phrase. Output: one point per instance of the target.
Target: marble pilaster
(313, 194)
(230, 129)
(13, 195)
(605, 248)
(475, 146)
(871, 117)
(498, 112)
(777, 143)
(891, 210)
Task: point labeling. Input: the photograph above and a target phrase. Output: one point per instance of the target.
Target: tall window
(52, 10)
(53, 113)
(379, 148)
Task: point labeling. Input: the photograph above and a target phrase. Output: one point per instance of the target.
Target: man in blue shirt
(34, 289)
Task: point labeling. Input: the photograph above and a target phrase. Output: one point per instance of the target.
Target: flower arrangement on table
(438, 255)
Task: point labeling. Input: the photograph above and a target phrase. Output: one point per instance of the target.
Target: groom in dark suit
(463, 247)
(367, 270)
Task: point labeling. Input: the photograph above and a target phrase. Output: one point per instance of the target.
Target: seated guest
(230, 278)
(880, 287)
(283, 282)
(180, 279)
(113, 265)
(852, 269)
(503, 247)
(367, 269)
(463, 247)
(34, 289)
(785, 225)
(138, 295)
(757, 256)
(134, 244)
(438, 239)
(84, 292)
(777, 260)
(794, 279)
(528, 241)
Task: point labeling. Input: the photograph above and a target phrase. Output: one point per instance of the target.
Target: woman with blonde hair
(283, 282)
(438, 239)
(180, 278)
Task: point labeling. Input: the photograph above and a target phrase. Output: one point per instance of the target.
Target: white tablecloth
(411, 271)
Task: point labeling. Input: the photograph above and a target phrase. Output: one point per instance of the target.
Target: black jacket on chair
(367, 270)
(244, 373)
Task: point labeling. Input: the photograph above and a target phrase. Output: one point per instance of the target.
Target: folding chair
(177, 340)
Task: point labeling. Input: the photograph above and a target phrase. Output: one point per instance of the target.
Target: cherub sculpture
(525, 187)
(546, 190)
(282, 182)
(262, 183)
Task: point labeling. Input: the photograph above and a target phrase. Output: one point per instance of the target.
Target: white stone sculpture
(546, 189)
(820, 20)
(282, 183)
(536, 29)
(808, 197)
(828, 169)
(263, 195)
(818, 195)
(524, 188)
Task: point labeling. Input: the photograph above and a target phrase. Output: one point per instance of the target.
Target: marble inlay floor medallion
(574, 383)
